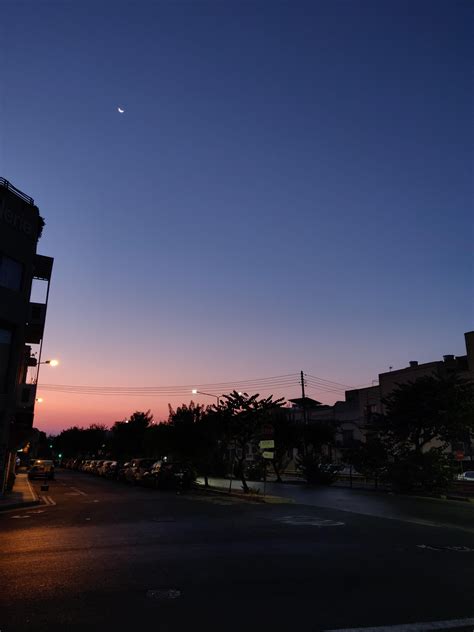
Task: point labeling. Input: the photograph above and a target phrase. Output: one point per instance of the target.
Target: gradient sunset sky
(289, 188)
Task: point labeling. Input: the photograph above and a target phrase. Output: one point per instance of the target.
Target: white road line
(413, 627)
(79, 491)
(51, 501)
(33, 493)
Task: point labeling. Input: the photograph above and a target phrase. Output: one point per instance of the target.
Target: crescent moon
(120, 110)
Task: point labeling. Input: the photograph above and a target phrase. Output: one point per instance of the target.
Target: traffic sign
(266, 444)
(267, 455)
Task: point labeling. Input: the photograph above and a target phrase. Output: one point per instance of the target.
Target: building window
(11, 273)
(5, 347)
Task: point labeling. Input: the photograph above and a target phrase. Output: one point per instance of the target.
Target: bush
(314, 471)
(255, 471)
(431, 471)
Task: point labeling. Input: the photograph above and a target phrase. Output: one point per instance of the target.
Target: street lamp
(39, 400)
(50, 362)
(195, 392)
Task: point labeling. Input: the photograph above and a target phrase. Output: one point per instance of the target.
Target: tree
(422, 420)
(242, 417)
(128, 437)
(81, 441)
(369, 457)
(286, 437)
(314, 437)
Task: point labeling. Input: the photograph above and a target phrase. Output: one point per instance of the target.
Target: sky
(289, 188)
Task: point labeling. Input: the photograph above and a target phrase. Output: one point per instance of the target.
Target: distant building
(354, 413)
(21, 321)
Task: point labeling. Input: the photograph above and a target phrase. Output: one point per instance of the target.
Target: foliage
(368, 457)
(81, 441)
(128, 437)
(430, 409)
(312, 469)
(432, 470)
(423, 419)
(242, 418)
(286, 437)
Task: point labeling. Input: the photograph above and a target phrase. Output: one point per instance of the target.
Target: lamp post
(196, 392)
(50, 362)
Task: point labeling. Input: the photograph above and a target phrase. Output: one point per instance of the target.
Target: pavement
(22, 495)
(100, 555)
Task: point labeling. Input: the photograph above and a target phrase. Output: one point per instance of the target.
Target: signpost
(267, 444)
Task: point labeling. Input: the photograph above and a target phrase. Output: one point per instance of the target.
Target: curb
(24, 505)
(276, 500)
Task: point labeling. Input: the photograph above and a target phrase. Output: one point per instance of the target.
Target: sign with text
(267, 455)
(266, 444)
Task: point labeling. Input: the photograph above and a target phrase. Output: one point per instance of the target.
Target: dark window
(11, 273)
(5, 347)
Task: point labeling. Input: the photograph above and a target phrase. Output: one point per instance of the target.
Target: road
(434, 512)
(109, 556)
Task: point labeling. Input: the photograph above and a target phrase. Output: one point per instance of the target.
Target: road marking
(72, 494)
(48, 500)
(79, 491)
(456, 549)
(160, 594)
(413, 627)
(32, 491)
(311, 521)
(20, 517)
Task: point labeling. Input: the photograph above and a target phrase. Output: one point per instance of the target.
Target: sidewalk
(21, 496)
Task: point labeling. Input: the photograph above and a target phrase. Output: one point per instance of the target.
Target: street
(102, 555)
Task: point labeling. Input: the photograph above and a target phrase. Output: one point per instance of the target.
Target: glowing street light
(39, 400)
(195, 392)
(50, 362)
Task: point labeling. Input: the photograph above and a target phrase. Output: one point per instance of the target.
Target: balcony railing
(8, 185)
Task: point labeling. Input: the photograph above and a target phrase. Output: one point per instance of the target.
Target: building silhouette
(21, 321)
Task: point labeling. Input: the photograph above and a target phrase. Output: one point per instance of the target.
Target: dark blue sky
(290, 185)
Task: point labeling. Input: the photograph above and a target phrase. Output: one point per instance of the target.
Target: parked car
(112, 470)
(174, 475)
(467, 477)
(102, 468)
(122, 468)
(41, 468)
(134, 473)
(149, 477)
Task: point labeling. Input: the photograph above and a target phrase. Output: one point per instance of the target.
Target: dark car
(136, 470)
(174, 475)
(41, 468)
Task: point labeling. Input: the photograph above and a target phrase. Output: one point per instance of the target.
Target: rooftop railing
(8, 185)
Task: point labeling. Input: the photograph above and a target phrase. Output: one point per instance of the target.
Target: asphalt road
(110, 557)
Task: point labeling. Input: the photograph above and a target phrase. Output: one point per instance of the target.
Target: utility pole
(305, 418)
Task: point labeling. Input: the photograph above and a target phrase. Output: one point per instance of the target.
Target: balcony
(35, 325)
(42, 267)
(26, 396)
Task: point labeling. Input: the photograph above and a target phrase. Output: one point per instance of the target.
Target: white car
(468, 477)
